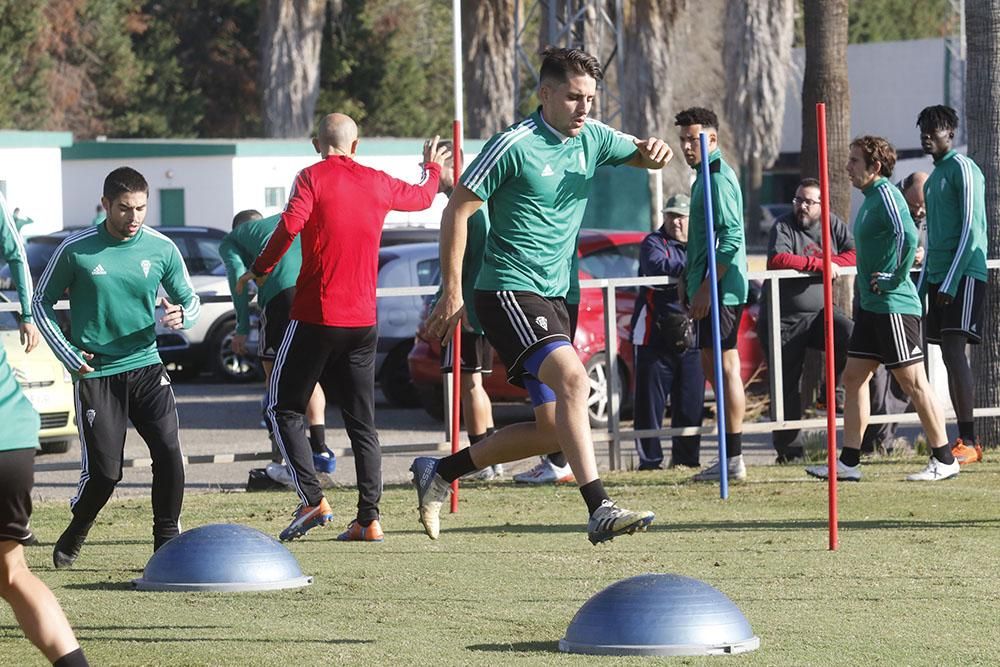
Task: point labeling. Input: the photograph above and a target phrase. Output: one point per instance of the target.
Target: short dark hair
(809, 182)
(938, 117)
(877, 149)
(558, 64)
(697, 116)
(122, 180)
(907, 182)
(246, 216)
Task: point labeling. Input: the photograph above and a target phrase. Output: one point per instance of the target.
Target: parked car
(208, 344)
(603, 254)
(46, 383)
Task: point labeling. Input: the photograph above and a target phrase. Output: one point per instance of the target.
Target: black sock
(452, 467)
(943, 454)
(734, 444)
(558, 459)
(473, 439)
(850, 457)
(594, 495)
(967, 432)
(317, 438)
(72, 659)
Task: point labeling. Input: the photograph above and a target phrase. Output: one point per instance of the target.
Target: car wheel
(598, 400)
(55, 447)
(431, 399)
(394, 378)
(226, 364)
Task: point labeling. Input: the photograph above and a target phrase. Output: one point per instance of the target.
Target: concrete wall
(33, 182)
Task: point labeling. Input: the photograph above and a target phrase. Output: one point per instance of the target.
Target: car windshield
(619, 261)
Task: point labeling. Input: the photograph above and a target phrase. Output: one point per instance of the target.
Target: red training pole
(831, 384)
(456, 339)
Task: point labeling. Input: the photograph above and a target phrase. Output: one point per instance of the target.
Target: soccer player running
(731, 271)
(953, 276)
(35, 607)
(112, 273)
(339, 207)
(536, 177)
(239, 248)
(887, 323)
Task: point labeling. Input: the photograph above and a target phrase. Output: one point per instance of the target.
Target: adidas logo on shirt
(98, 271)
(547, 171)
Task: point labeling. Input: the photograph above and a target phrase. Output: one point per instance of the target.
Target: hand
(85, 367)
(241, 282)
(441, 321)
(918, 257)
(943, 299)
(655, 151)
(701, 304)
(173, 315)
(435, 153)
(240, 343)
(29, 336)
(874, 284)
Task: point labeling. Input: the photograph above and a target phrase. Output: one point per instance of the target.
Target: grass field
(916, 562)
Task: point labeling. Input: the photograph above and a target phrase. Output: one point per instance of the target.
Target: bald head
(913, 192)
(337, 133)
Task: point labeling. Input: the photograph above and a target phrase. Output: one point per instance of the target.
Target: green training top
(18, 416)
(885, 240)
(730, 243)
(955, 194)
(239, 249)
(536, 182)
(112, 293)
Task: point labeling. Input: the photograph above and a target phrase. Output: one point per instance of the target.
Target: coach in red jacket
(339, 206)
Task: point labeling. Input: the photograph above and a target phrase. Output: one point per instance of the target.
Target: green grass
(511, 569)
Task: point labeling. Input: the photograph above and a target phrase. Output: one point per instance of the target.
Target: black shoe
(68, 546)
(793, 455)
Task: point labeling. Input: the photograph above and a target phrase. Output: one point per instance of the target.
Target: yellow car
(46, 383)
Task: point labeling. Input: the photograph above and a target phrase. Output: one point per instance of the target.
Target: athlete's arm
(56, 278)
(177, 284)
(650, 153)
(454, 228)
(963, 253)
(232, 258)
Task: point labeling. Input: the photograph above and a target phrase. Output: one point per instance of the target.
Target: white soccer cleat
(432, 491)
(734, 465)
(546, 473)
(608, 521)
(936, 472)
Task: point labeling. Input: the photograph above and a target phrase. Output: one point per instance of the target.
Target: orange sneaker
(964, 454)
(357, 533)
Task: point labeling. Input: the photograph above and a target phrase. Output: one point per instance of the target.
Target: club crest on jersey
(542, 322)
(145, 264)
(91, 414)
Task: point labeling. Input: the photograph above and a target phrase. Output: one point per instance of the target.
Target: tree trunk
(982, 109)
(291, 33)
(488, 68)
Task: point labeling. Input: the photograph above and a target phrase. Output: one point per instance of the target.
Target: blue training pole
(720, 403)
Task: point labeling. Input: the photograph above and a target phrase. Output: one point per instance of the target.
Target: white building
(207, 181)
(31, 177)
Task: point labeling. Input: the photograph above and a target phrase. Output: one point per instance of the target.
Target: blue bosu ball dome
(222, 557)
(659, 614)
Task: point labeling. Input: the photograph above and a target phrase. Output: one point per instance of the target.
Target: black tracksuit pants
(342, 360)
(104, 406)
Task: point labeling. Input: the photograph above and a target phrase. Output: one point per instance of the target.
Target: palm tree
(982, 110)
(488, 67)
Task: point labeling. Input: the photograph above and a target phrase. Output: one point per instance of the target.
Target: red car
(603, 254)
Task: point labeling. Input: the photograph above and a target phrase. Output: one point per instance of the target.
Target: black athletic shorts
(518, 323)
(17, 475)
(273, 322)
(964, 315)
(477, 355)
(889, 338)
(729, 328)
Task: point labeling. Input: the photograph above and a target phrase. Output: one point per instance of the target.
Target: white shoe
(736, 468)
(546, 473)
(845, 473)
(936, 472)
(278, 472)
(487, 474)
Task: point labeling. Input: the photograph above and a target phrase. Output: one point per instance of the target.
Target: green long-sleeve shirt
(239, 249)
(885, 240)
(955, 194)
(730, 242)
(112, 287)
(18, 416)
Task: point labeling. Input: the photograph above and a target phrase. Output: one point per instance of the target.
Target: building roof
(28, 139)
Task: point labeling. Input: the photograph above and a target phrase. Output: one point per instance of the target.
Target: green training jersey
(112, 286)
(239, 249)
(18, 416)
(730, 243)
(885, 240)
(955, 194)
(536, 183)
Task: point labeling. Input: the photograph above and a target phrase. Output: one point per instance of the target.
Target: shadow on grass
(102, 586)
(519, 647)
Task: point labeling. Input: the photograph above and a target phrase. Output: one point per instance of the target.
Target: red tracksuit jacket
(339, 206)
